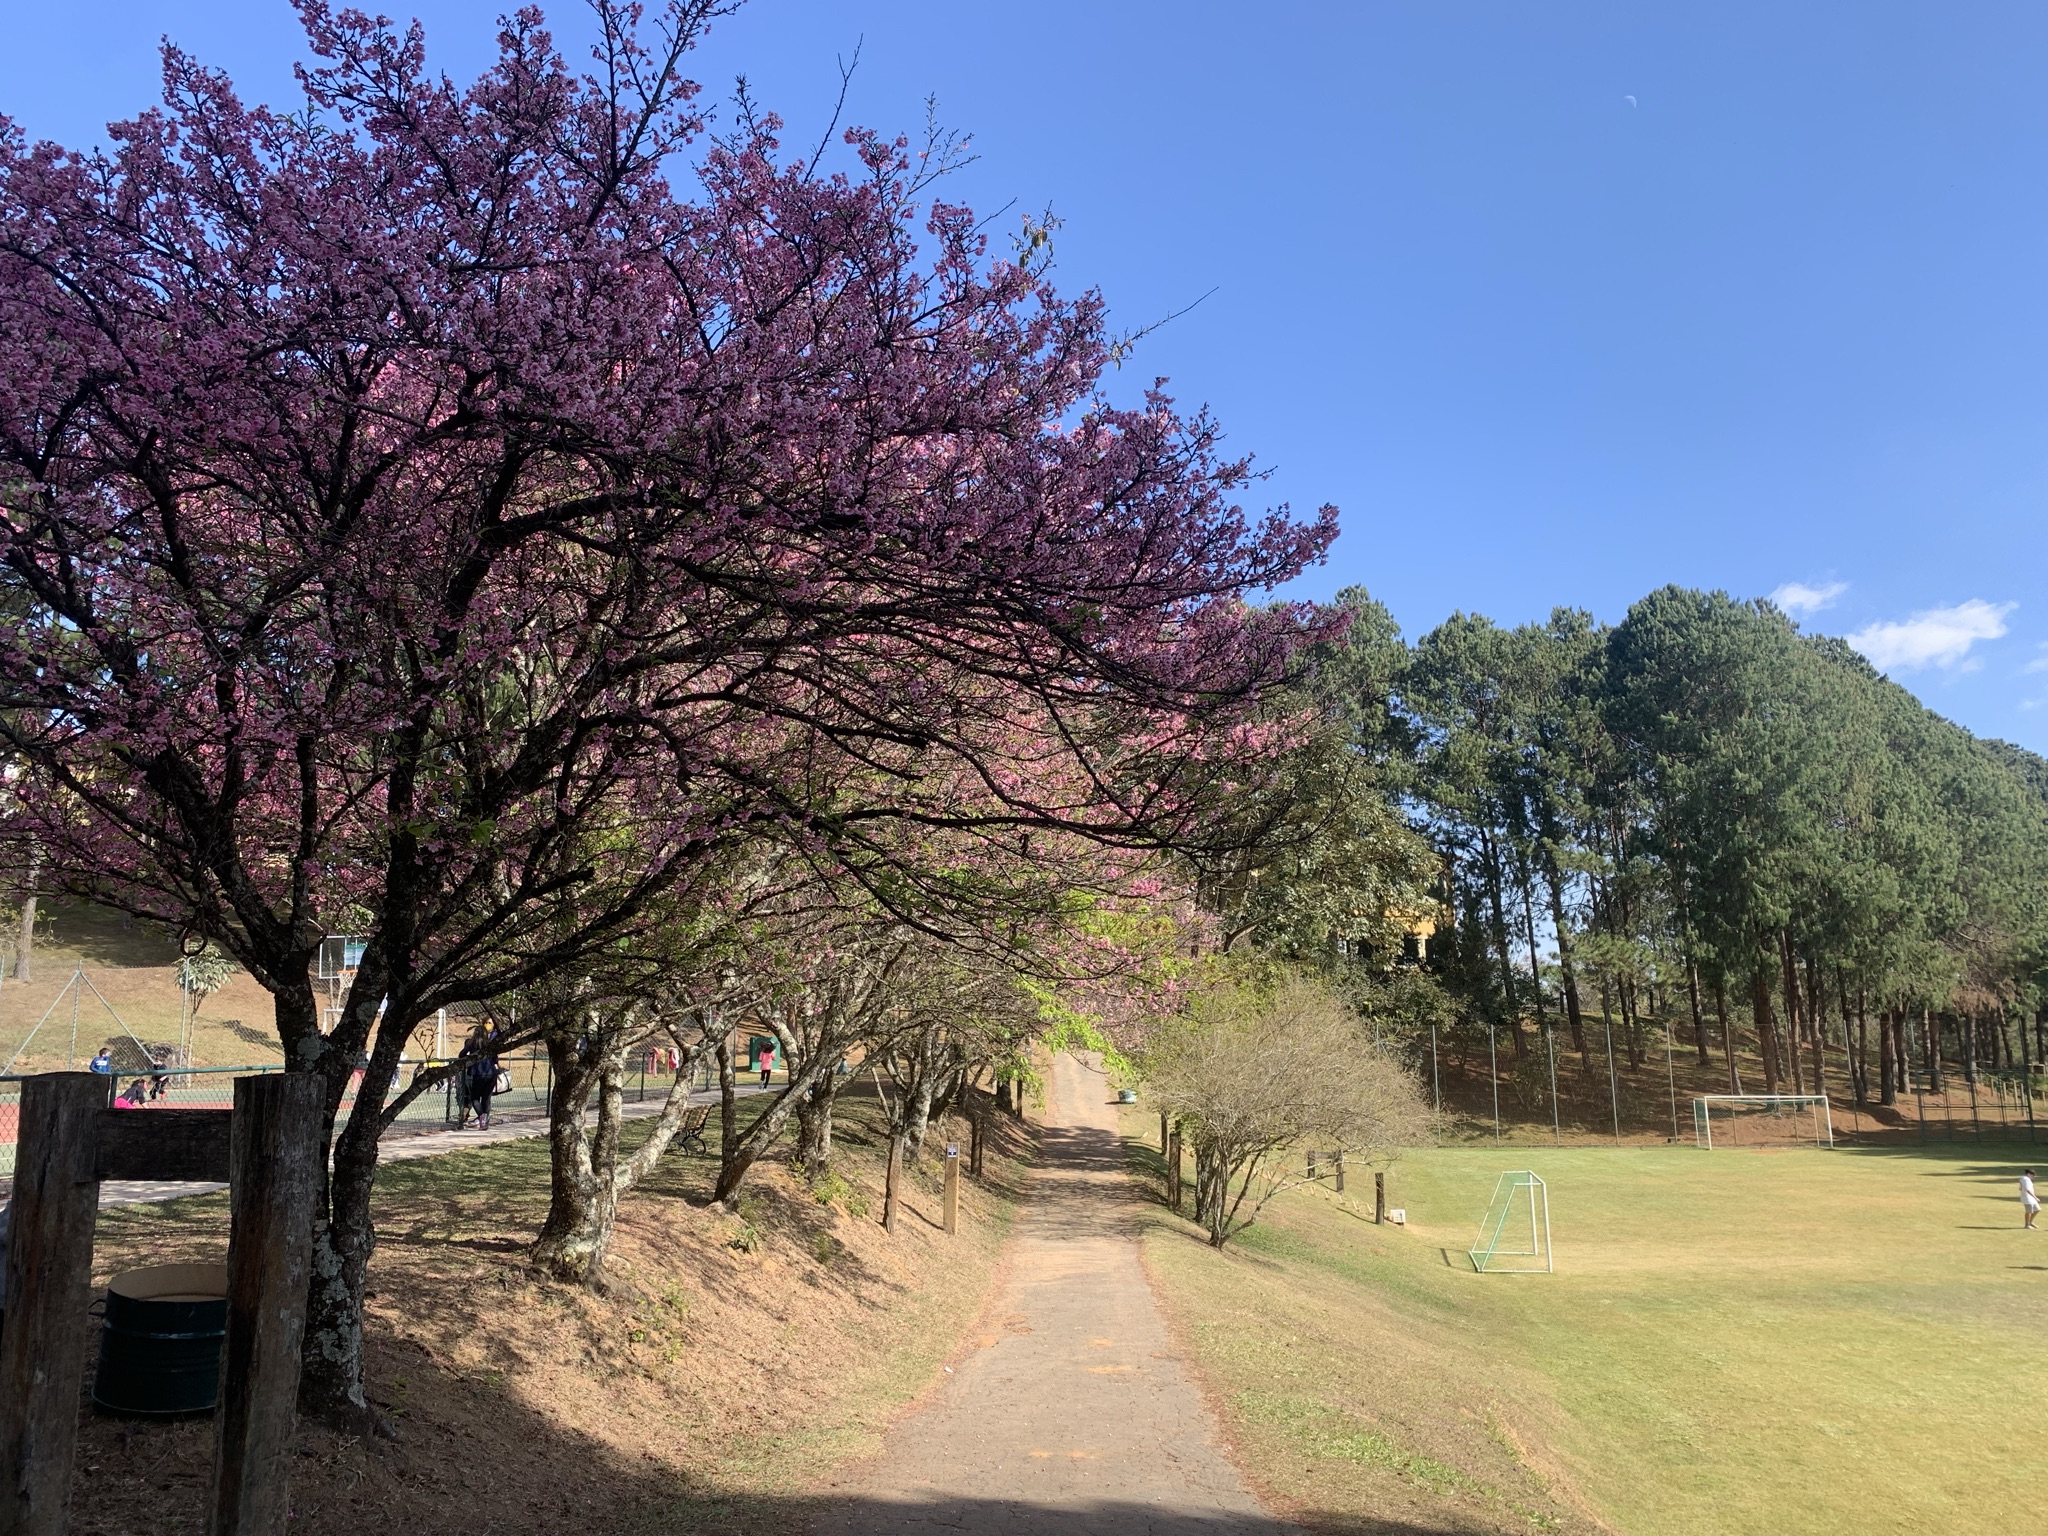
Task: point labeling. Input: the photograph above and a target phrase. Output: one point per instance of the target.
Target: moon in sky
(1630, 100)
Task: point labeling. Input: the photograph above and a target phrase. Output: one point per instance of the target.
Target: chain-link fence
(1550, 1094)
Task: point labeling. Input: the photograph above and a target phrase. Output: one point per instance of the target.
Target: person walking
(2030, 1203)
(767, 1064)
(482, 1075)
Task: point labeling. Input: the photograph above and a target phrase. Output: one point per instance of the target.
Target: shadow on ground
(472, 1457)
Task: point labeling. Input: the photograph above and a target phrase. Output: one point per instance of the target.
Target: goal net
(1762, 1120)
(1514, 1237)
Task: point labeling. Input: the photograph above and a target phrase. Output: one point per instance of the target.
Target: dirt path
(1073, 1414)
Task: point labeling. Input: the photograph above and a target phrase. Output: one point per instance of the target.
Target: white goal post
(1514, 1235)
(1782, 1117)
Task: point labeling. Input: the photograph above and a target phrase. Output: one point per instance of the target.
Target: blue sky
(1558, 302)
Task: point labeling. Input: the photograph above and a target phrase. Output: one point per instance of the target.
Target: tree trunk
(1793, 1011)
(1817, 1018)
(1966, 1033)
(892, 1187)
(583, 1197)
(728, 1107)
(814, 1125)
(25, 938)
(1930, 1039)
(573, 1075)
(586, 1178)
(1500, 941)
(952, 1091)
(917, 1113)
(331, 1371)
(744, 1151)
(1212, 1188)
(1766, 1026)
(1535, 969)
(1699, 1028)
(920, 1071)
(1573, 1012)
(1727, 1033)
(1860, 1066)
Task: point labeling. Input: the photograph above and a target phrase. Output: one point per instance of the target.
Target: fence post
(1550, 1049)
(275, 1168)
(1613, 1091)
(1379, 1198)
(1340, 1173)
(49, 1287)
(952, 1189)
(1173, 1171)
(889, 1189)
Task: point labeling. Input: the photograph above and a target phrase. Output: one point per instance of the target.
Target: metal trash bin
(160, 1341)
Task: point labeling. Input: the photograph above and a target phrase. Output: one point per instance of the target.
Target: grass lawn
(1734, 1342)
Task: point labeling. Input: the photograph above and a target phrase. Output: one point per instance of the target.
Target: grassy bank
(1734, 1344)
(742, 1359)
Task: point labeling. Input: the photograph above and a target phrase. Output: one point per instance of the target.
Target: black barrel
(161, 1341)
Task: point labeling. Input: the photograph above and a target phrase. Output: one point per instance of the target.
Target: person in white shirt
(2029, 1201)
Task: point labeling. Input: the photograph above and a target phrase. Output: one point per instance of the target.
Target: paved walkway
(514, 1125)
(1073, 1416)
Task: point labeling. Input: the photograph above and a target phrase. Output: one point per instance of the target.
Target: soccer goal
(1514, 1238)
(1762, 1120)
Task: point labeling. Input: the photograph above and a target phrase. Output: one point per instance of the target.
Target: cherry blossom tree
(449, 514)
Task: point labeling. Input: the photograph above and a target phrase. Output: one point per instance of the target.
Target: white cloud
(1796, 597)
(2040, 662)
(1933, 637)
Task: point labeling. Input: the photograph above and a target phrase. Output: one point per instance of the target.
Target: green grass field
(1734, 1342)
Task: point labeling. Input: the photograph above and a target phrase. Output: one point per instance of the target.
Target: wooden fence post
(1340, 1173)
(952, 1190)
(49, 1288)
(1173, 1170)
(274, 1181)
(1379, 1198)
(889, 1189)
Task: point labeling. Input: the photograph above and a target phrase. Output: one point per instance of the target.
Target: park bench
(691, 1134)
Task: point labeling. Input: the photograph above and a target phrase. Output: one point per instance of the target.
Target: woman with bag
(483, 1084)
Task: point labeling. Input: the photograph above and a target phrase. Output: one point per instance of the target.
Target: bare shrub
(1253, 1073)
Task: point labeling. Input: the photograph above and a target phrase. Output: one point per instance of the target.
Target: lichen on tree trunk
(587, 1178)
